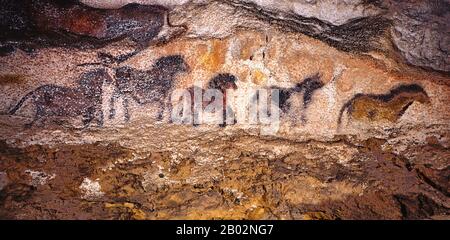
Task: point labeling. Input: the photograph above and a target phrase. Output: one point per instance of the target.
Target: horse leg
(88, 116)
(100, 118)
(169, 110)
(228, 112)
(112, 101)
(125, 108)
(39, 114)
(35, 119)
(161, 109)
(195, 119)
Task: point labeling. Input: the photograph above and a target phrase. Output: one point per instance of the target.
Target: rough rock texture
(362, 135)
(420, 29)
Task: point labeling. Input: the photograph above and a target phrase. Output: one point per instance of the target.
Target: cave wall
(363, 131)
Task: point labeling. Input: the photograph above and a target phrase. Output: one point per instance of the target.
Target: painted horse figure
(148, 86)
(58, 101)
(221, 82)
(308, 86)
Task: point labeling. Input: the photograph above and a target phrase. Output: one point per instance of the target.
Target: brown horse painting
(389, 107)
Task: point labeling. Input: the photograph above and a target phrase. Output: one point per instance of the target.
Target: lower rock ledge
(341, 179)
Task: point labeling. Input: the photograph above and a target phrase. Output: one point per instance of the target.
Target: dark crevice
(357, 35)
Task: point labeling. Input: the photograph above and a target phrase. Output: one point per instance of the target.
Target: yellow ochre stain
(258, 77)
(12, 78)
(215, 56)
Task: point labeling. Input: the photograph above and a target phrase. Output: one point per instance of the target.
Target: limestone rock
(421, 31)
(361, 134)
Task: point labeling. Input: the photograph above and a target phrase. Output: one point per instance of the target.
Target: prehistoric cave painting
(307, 86)
(84, 100)
(29, 24)
(390, 106)
(222, 82)
(151, 86)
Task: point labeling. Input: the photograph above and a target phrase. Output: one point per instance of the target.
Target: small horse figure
(221, 82)
(307, 86)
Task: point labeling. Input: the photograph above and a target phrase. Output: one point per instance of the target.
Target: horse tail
(20, 103)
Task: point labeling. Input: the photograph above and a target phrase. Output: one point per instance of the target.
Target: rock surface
(420, 29)
(363, 134)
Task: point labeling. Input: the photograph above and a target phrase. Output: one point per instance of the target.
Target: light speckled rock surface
(421, 31)
(369, 141)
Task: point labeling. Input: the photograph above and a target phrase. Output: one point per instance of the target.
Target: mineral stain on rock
(12, 79)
